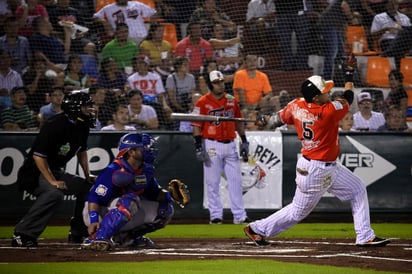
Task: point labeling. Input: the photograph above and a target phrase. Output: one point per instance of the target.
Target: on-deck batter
(215, 146)
(316, 121)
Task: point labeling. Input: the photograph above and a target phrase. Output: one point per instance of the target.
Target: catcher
(126, 202)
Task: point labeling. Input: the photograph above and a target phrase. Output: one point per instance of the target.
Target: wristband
(94, 216)
(348, 76)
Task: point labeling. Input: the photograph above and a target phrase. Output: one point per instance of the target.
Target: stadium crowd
(137, 78)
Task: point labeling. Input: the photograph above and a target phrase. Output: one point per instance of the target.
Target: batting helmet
(139, 140)
(72, 104)
(315, 85)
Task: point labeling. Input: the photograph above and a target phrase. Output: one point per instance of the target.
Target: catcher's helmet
(315, 85)
(141, 140)
(72, 104)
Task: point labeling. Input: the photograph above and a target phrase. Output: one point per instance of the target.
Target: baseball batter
(215, 146)
(316, 121)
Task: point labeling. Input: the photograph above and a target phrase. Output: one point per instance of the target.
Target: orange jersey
(316, 127)
(227, 106)
(255, 88)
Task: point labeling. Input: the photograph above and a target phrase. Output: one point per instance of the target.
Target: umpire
(43, 172)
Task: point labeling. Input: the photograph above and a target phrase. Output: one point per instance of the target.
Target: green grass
(186, 267)
(304, 230)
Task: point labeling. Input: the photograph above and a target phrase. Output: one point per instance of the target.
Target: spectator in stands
(98, 94)
(346, 124)
(397, 94)
(9, 78)
(73, 78)
(52, 108)
(261, 23)
(90, 61)
(44, 45)
(394, 120)
(18, 46)
(131, 13)
(18, 116)
(62, 12)
(121, 48)
(331, 24)
(141, 116)
(195, 48)
(38, 84)
(105, 102)
(377, 99)
(180, 86)
(386, 27)
(176, 12)
(292, 16)
(186, 126)
(365, 119)
(110, 76)
(158, 50)
(368, 9)
(26, 13)
(151, 85)
(208, 14)
(250, 84)
(227, 52)
(120, 118)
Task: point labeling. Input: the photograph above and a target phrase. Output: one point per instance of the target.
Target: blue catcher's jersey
(142, 183)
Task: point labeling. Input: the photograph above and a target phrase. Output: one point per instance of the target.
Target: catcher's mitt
(179, 192)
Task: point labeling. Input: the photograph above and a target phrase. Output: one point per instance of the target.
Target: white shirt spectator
(257, 8)
(147, 113)
(133, 15)
(372, 124)
(150, 85)
(383, 20)
(111, 127)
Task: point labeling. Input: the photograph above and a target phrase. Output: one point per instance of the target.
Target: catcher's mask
(139, 140)
(315, 85)
(72, 106)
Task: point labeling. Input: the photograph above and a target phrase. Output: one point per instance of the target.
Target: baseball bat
(206, 118)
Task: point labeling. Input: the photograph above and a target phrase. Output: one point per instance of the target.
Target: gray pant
(48, 200)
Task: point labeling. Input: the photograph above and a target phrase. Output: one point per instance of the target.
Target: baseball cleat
(216, 221)
(376, 242)
(244, 222)
(259, 240)
(97, 245)
(141, 241)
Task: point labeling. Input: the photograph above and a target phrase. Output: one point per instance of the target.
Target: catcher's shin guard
(112, 222)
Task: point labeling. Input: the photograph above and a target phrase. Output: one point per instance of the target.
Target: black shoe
(376, 242)
(75, 238)
(216, 221)
(20, 240)
(245, 221)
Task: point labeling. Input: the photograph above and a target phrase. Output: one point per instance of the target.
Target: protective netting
(57, 46)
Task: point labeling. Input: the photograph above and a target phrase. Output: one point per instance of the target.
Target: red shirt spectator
(26, 13)
(194, 47)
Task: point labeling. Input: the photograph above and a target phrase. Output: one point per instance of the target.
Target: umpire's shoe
(21, 240)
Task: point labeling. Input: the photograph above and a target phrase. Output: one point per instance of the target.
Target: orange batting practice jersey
(316, 126)
(227, 106)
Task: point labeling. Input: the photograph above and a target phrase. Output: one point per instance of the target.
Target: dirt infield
(397, 256)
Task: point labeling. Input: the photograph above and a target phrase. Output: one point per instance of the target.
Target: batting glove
(201, 154)
(244, 151)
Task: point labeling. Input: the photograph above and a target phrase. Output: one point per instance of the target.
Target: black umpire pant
(48, 201)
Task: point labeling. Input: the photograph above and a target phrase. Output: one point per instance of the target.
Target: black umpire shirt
(59, 140)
